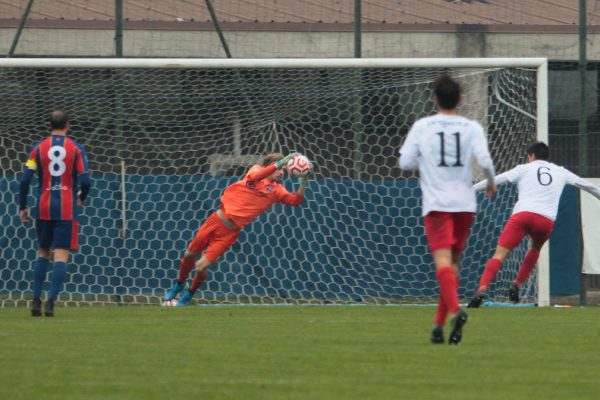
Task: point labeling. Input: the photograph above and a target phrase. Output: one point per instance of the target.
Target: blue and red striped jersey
(57, 161)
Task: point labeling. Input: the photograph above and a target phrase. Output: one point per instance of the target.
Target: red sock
(528, 265)
(491, 269)
(442, 309)
(448, 289)
(197, 281)
(441, 313)
(185, 266)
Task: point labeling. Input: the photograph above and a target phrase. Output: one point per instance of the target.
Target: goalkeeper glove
(281, 163)
(304, 181)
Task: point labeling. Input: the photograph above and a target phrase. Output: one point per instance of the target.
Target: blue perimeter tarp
(352, 235)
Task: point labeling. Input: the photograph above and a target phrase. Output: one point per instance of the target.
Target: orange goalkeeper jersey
(245, 200)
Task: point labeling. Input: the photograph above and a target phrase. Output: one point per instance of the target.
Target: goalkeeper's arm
(262, 173)
(295, 199)
(303, 185)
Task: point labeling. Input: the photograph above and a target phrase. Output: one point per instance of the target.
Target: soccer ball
(298, 166)
(169, 303)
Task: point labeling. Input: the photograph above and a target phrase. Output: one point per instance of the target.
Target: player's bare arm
(24, 216)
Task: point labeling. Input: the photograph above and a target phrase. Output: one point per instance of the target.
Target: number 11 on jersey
(457, 162)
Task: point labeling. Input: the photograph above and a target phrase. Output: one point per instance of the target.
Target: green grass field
(297, 353)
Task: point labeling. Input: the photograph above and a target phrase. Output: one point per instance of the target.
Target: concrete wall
(261, 44)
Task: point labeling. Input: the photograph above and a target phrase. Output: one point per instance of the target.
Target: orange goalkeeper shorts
(214, 237)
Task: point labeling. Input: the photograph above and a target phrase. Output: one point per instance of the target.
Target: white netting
(183, 135)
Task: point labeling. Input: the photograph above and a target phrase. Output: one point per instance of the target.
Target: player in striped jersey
(540, 184)
(241, 203)
(60, 164)
(442, 148)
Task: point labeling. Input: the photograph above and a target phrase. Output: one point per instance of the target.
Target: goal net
(166, 137)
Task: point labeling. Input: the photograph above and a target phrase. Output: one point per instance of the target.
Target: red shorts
(524, 223)
(448, 230)
(215, 237)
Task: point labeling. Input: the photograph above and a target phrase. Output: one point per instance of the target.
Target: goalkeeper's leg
(201, 275)
(185, 266)
(196, 247)
(216, 238)
(218, 245)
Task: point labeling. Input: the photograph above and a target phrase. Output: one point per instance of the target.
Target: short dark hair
(447, 91)
(59, 119)
(540, 150)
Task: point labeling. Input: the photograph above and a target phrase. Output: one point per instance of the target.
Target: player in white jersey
(442, 147)
(540, 184)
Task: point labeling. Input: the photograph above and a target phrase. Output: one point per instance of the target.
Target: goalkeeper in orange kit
(241, 203)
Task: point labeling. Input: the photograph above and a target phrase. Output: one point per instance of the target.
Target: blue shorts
(57, 234)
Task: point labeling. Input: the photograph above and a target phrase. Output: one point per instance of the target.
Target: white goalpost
(166, 136)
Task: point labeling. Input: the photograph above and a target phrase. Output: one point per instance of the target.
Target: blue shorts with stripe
(57, 234)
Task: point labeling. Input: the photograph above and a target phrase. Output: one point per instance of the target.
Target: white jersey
(442, 147)
(540, 184)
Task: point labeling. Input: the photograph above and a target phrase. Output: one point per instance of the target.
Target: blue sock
(59, 273)
(40, 268)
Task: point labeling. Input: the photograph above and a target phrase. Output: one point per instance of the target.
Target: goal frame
(540, 64)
